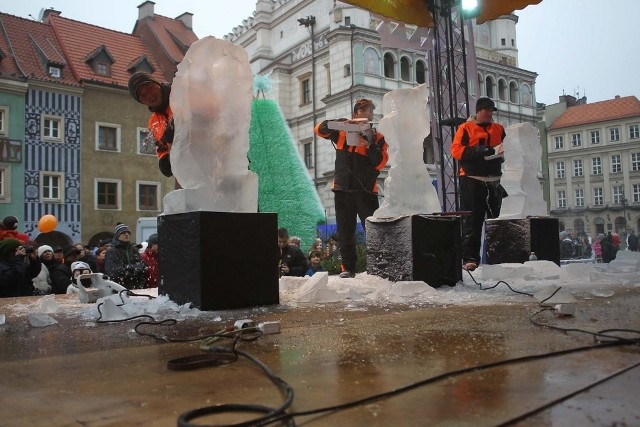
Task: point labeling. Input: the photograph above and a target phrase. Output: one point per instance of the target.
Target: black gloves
(488, 151)
(164, 164)
(167, 136)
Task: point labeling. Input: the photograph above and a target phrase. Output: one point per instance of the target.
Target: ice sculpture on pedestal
(522, 153)
(408, 189)
(211, 100)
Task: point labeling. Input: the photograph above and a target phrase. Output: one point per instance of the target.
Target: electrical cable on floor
(496, 285)
(280, 414)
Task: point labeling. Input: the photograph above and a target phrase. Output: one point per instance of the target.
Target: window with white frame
(148, 195)
(52, 187)
(579, 196)
(598, 196)
(634, 131)
(3, 184)
(636, 193)
(107, 194)
(635, 162)
(576, 140)
(4, 120)
(559, 169)
(614, 134)
(307, 155)
(562, 199)
(305, 90)
(145, 142)
(577, 167)
(616, 164)
(559, 140)
(596, 166)
(595, 136)
(52, 127)
(618, 193)
(108, 137)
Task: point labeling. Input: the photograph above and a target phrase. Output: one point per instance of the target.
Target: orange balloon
(47, 223)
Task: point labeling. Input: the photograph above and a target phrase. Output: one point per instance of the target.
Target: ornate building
(314, 82)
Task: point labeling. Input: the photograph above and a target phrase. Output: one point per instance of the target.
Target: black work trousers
(349, 207)
(484, 200)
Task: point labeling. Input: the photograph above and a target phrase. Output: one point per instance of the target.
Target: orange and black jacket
(161, 127)
(470, 144)
(357, 167)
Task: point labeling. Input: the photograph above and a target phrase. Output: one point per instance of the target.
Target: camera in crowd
(28, 249)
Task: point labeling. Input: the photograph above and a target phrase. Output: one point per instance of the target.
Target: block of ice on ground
(40, 320)
(522, 153)
(410, 288)
(407, 189)
(47, 304)
(576, 272)
(543, 269)
(211, 99)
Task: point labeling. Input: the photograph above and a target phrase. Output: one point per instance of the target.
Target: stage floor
(81, 373)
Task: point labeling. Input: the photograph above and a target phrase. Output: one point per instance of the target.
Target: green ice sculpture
(284, 184)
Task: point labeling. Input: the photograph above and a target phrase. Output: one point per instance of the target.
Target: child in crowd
(314, 263)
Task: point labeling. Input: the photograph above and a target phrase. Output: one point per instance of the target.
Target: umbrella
(417, 13)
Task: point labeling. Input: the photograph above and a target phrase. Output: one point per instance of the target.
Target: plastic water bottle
(533, 257)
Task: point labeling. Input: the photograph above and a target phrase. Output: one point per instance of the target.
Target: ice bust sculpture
(211, 100)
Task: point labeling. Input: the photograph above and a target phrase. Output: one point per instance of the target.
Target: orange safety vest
(158, 123)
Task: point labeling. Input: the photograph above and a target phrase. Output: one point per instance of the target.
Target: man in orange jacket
(355, 186)
(149, 91)
(474, 147)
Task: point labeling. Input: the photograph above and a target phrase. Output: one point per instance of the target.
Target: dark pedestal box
(513, 240)
(415, 247)
(219, 260)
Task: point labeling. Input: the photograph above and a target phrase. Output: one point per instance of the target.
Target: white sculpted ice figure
(522, 152)
(211, 98)
(408, 189)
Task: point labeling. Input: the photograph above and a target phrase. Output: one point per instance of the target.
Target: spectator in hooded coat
(122, 263)
(150, 259)
(18, 267)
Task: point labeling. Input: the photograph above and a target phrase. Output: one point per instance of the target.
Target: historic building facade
(594, 165)
(314, 82)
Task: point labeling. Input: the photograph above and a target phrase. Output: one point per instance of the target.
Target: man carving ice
(147, 90)
(355, 184)
(474, 147)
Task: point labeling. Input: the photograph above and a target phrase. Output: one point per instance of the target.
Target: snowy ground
(579, 281)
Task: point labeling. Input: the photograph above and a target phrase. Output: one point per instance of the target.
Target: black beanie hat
(138, 79)
(10, 222)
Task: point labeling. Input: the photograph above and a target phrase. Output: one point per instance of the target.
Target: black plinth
(219, 260)
(513, 240)
(415, 247)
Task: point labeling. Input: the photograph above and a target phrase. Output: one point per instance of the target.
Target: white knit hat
(44, 248)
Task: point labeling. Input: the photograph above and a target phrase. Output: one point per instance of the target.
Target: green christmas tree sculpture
(284, 184)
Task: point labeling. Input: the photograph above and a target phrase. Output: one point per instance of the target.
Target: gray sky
(585, 47)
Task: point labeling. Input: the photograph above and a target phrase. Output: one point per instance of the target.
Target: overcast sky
(585, 47)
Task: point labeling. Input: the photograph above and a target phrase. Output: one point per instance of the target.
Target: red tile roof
(171, 34)
(29, 47)
(80, 40)
(603, 111)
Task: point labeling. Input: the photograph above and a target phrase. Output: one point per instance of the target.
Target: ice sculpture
(408, 189)
(211, 101)
(522, 153)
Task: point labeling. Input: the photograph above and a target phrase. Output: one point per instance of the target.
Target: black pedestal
(219, 260)
(416, 247)
(513, 240)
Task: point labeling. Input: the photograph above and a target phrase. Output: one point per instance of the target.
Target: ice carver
(355, 186)
(474, 147)
(153, 93)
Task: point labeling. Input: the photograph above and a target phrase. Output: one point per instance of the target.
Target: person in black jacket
(123, 263)
(292, 260)
(355, 186)
(18, 267)
(60, 274)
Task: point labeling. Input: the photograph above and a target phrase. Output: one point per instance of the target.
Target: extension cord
(268, 328)
(244, 324)
(567, 309)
